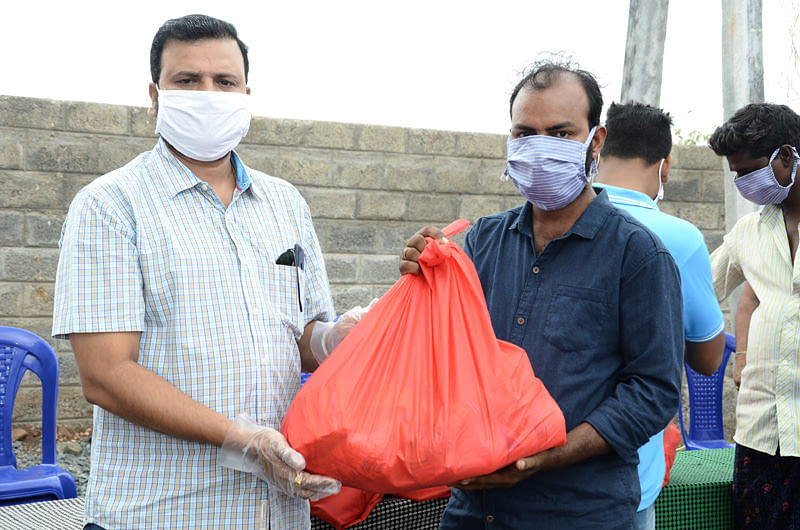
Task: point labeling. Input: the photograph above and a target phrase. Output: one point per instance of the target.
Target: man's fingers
(409, 267)
(292, 458)
(273, 442)
(525, 463)
(502, 478)
(321, 483)
(432, 231)
(316, 486)
(415, 245)
(498, 479)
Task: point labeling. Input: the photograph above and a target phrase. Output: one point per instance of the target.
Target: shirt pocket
(577, 318)
(282, 287)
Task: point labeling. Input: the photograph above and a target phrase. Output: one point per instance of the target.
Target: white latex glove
(265, 453)
(327, 335)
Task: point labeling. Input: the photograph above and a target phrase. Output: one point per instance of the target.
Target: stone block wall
(369, 188)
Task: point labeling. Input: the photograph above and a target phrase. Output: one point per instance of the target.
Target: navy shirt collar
(587, 225)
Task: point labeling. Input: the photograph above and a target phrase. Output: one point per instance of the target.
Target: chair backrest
(21, 350)
(705, 399)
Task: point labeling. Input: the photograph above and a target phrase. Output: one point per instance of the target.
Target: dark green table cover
(698, 496)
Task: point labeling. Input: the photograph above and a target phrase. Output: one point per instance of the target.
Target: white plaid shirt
(150, 248)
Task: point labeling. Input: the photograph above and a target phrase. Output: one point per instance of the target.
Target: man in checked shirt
(192, 289)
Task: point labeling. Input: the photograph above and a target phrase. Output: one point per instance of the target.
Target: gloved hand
(265, 453)
(327, 335)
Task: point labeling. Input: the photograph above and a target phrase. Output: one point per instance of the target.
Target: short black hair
(541, 74)
(192, 28)
(758, 129)
(636, 130)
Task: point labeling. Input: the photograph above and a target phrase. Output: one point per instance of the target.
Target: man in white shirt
(192, 289)
(760, 142)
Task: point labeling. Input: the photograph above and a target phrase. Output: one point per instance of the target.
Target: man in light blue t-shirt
(633, 167)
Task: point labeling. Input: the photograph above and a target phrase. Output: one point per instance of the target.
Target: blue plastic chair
(705, 405)
(21, 350)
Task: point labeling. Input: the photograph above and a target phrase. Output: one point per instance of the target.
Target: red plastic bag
(672, 438)
(346, 508)
(437, 492)
(351, 506)
(421, 393)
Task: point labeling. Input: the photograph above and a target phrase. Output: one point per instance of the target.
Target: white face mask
(203, 125)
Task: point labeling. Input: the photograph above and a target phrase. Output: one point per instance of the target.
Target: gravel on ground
(73, 449)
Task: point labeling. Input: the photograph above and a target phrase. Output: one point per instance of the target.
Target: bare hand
(409, 258)
(502, 478)
(509, 476)
(582, 442)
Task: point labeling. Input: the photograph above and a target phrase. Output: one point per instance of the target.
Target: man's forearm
(308, 363)
(112, 379)
(141, 396)
(583, 442)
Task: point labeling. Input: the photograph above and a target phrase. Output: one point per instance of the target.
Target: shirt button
(490, 518)
(536, 269)
(520, 321)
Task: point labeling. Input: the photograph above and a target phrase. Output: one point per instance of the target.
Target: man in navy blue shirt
(594, 299)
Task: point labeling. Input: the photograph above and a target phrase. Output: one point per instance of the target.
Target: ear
(783, 164)
(786, 156)
(153, 100)
(665, 169)
(598, 140)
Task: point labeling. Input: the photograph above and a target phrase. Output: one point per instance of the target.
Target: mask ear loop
(592, 170)
(593, 165)
(660, 183)
(596, 167)
(772, 171)
(794, 166)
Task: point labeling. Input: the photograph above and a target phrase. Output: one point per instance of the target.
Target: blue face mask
(550, 172)
(761, 186)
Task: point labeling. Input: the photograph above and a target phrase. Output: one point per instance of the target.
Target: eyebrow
(521, 127)
(556, 127)
(187, 73)
(562, 125)
(190, 73)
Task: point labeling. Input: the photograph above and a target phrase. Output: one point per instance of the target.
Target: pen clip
(299, 265)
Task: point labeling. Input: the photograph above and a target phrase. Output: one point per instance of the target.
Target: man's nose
(208, 84)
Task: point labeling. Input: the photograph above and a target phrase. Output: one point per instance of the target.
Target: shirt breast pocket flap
(577, 318)
(282, 289)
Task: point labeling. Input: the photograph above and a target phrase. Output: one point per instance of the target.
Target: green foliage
(693, 137)
(689, 136)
